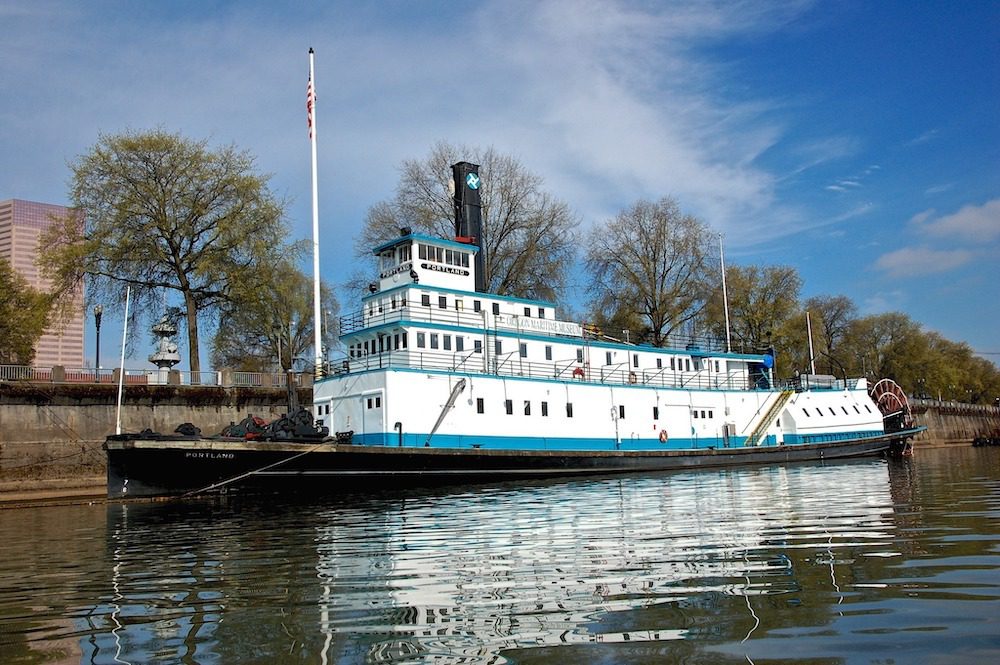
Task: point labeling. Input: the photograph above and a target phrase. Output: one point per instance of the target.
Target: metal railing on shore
(151, 377)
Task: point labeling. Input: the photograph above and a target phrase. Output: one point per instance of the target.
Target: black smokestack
(469, 215)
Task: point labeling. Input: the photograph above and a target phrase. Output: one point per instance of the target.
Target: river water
(858, 562)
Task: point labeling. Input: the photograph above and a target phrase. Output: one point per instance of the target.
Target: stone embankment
(954, 423)
(51, 434)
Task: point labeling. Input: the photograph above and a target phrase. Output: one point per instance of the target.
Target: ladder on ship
(762, 425)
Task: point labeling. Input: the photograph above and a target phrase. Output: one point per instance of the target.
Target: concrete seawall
(954, 423)
(51, 434)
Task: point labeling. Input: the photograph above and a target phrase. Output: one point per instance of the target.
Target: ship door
(373, 418)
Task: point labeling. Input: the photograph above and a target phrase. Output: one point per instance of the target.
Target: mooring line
(247, 474)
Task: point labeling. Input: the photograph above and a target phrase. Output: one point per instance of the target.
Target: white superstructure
(433, 362)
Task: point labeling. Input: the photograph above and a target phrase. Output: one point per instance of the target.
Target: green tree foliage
(259, 323)
(163, 213)
(528, 234)
(763, 309)
(831, 317)
(651, 269)
(24, 314)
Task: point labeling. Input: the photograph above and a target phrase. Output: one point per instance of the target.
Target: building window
(434, 340)
(508, 406)
(496, 308)
(621, 411)
(480, 405)
(523, 348)
(425, 299)
(545, 408)
(569, 409)
(548, 352)
(477, 346)
(656, 413)
(459, 343)
(443, 302)
(527, 408)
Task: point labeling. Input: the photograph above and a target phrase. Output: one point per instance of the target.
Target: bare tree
(652, 270)
(831, 317)
(528, 234)
(165, 213)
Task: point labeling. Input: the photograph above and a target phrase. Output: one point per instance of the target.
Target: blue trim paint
(469, 441)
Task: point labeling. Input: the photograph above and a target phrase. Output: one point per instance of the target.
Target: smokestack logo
(472, 180)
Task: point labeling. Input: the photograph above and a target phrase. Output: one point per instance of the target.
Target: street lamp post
(98, 313)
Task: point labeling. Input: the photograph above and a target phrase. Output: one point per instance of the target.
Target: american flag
(310, 99)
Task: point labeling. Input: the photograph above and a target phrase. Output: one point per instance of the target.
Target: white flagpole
(121, 366)
(318, 341)
(725, 295)
(812, 354)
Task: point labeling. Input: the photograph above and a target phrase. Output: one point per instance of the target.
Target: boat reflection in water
(469, 577)
(849, 562)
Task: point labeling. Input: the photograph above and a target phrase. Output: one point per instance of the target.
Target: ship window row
(390, 258)
(819, 410)
(451, 257)
(382, 344)
(374, 402)
(508, 406)
(444, 342)
(702, 413)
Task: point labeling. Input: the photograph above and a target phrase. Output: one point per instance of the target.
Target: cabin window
(621, 411)
(443, 302)
(392, 303)
(508, 406)
(477, 346)
(548, 352)
(656, 413)
(541, 312)
(659, 363)
(498, 347)
(545, 408)
(447, 342)
(381, 307)
(527, 408)
(709, 414)
(425, 299)
(579, 355)
(434, 340)
(523, 348)
(695, 413)
(687, 364)
(480, 405)
(832, 412)
(477, 306)
(459, 343)
(527, 311)
(805, 411)
(569, 409)
(716, 365)
(607, 357)
(404, 253)
(635, 360)
(395, 342)
(856, 408)
(403, 338)
(868, 408)
(459, 305)
(672, 363)
(819, 410)
(422, 251)
(496, 308)
(844, 409)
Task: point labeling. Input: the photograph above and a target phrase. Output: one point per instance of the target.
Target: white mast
(121, 366)
(725, 295)
(812, 354)
(311, 108)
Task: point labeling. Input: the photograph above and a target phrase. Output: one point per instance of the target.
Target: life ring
(578, 373)
(631, 377)
(663, 436)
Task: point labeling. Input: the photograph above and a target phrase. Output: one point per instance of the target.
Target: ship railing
(89, 375)
(513, 365)
(416, 313)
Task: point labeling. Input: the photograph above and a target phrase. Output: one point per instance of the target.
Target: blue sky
(858, 142)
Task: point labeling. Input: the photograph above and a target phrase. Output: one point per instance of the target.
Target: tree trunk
(194, 359)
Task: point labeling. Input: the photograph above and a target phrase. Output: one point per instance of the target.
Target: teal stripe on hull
(467, 441)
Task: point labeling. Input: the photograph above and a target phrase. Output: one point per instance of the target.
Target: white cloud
(921, 261)
(972, 223)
